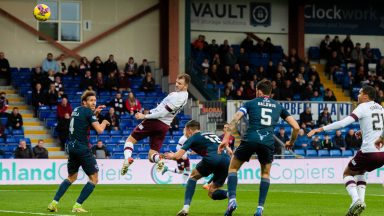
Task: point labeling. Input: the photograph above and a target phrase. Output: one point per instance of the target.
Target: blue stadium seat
(115, 132)
(143, 155)
(335, 153)
(347, 153)
(323, 153)
(311, 153)
(299, 152)
(118, 156)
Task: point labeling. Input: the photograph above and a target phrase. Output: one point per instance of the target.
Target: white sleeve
(157, 113)
(340, 124)
(175, 101)
(358, 112)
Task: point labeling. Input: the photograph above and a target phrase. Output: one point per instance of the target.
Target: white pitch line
(31, 213)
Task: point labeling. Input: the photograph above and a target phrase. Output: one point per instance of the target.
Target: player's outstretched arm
(295, 131)
(175, 156)
(335, 125)
(100, 127)
(232, 126)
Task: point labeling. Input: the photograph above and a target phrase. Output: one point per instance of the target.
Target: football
(41, 12)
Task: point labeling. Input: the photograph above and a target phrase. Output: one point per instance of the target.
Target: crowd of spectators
(97, 75)
(236, 72)
(352, 65)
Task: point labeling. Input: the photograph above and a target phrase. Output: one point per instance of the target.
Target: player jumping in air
(205, 145)
(183, 165)
(82, 118)
(264, 114)
(156, 124)
(371, 118)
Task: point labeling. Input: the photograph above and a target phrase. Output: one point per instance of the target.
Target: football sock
(232, 184)
(185, 176)
(189, 191)
(87, 190)
(128, 149)
(219, 195)
(186, 208)
(210, 180)
(173, 169)
(264, 186)
(361, 185)
(155, 158)
(63, 187)
(350, 185)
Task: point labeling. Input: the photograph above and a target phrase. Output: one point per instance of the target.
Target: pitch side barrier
(304, 171)
(338, 110)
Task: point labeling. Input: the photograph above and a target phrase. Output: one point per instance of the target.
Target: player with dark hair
(371, 156)
(205, 145)
(156, 124)
(82, 118)
(264, 114)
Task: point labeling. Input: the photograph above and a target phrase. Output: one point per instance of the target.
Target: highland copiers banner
(289, 171)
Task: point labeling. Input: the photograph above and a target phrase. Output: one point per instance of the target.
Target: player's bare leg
(128, 149)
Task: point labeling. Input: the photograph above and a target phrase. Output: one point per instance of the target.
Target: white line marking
(31, 213)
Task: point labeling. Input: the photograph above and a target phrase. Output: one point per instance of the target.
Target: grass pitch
(167, 200)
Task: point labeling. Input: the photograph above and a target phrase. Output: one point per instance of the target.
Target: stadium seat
(118, 156)
(299, 152)
(347, 153)
(143, 156)
(323, 153)
(311, 153)
(335, 153)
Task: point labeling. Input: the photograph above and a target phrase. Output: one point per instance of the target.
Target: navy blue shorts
(246, 149)
(219, 169)
(83, 158)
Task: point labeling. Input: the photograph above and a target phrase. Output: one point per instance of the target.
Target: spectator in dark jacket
(351, 141)
(324, 117)
(23, 151)
(3, 105)
(52, 95)
(148, 83)
(113, 119)
(144, 68)
(87, 81)
(5, 70)
(118, 104)
(38, 98)
(315, 143)
(284, 138)
(306, 118)
(15, 120)
(339, 141)
(110, 65)
(39, 151)
(100, 150)
(63, 129)
(111, 83)
(37, 76)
